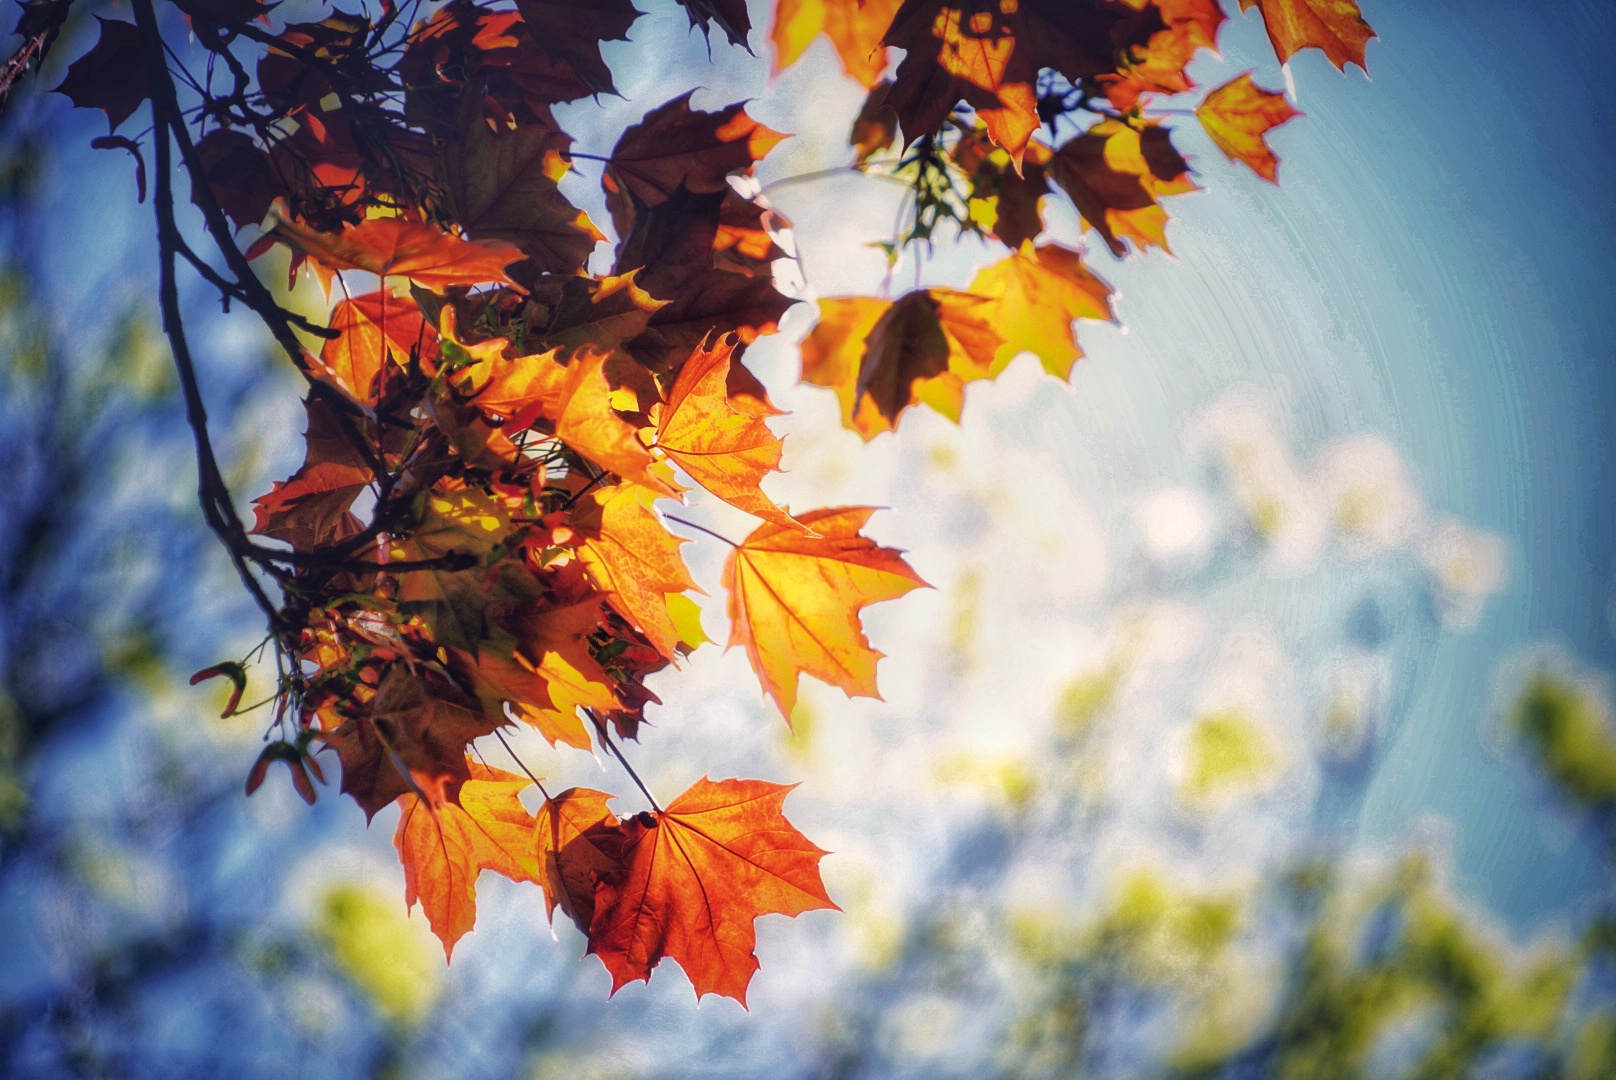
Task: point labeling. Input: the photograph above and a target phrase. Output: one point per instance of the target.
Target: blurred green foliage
(1567, 730)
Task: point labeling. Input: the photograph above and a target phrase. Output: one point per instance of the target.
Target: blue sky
(1417, 321)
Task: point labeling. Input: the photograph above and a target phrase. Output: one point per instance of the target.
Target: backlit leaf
(697, 875)
(854, 27)
(726, 450)
(631, 556)
(1334, 27)
(1238, 115)
(444, 849)
(392, 246)
(795, 598)
(1039, 291)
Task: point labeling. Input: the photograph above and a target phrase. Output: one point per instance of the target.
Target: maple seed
(238, 680)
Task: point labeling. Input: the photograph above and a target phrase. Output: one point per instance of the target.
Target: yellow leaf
(795, 598)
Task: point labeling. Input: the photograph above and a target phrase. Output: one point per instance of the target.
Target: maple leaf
(411, 738)
(311, 507)
(504, 186)
(675, 242)
(726, 450)
(587, 422)
(1238, 116)
(373, 328)
(696, 876)
(423, 253)
(988, 53)
(241, 175)
(882, 357)
(571, 31)
(676, 147)
(579, 843)
(730, 15)
(632, 558)
(854, 27)
(1158, 66)
(502, 385)
(876, 125)
(443, 849)
(795, 598)
(744, 241)
(1039, 292)
(926, 333)
(1334, 27)
(554, 642)
(833, 350)
(577, 397)
(461, 605)
(1007, 202)
(112, 75)
(1114, 173)
(605, 313)
(498, 676)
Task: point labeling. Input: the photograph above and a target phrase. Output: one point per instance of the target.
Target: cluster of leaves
(473, 537)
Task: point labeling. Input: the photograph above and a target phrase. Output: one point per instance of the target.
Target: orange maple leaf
(883, 357)
(579, 843)
(726, 450)
(1335, 27)
(697, 875)
(423, 253)
(576, 396)
(632, 558)
(444, 850)
(1114, 174)
(1003, 200)
(460, 604)
(1238, 116)
(854, 27)
(795, 598)
(676, 147)
(1039, 292)
(587, 422)
(312, 506)
(554, 643)
(497, 675)
(374, 327)
(1158, 66)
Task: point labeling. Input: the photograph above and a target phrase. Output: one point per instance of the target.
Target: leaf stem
(500, 735)
(701, 528)
(606, 741)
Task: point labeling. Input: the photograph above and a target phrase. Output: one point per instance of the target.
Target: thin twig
(451, 561)
(233, 291)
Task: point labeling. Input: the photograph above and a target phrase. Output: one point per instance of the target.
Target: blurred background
(1259, 723)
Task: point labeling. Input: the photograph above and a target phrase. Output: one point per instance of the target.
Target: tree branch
(212, 493)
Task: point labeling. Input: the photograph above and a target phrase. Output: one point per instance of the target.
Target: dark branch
(212, 493)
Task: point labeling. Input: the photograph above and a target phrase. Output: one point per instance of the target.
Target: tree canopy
(504, 395)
